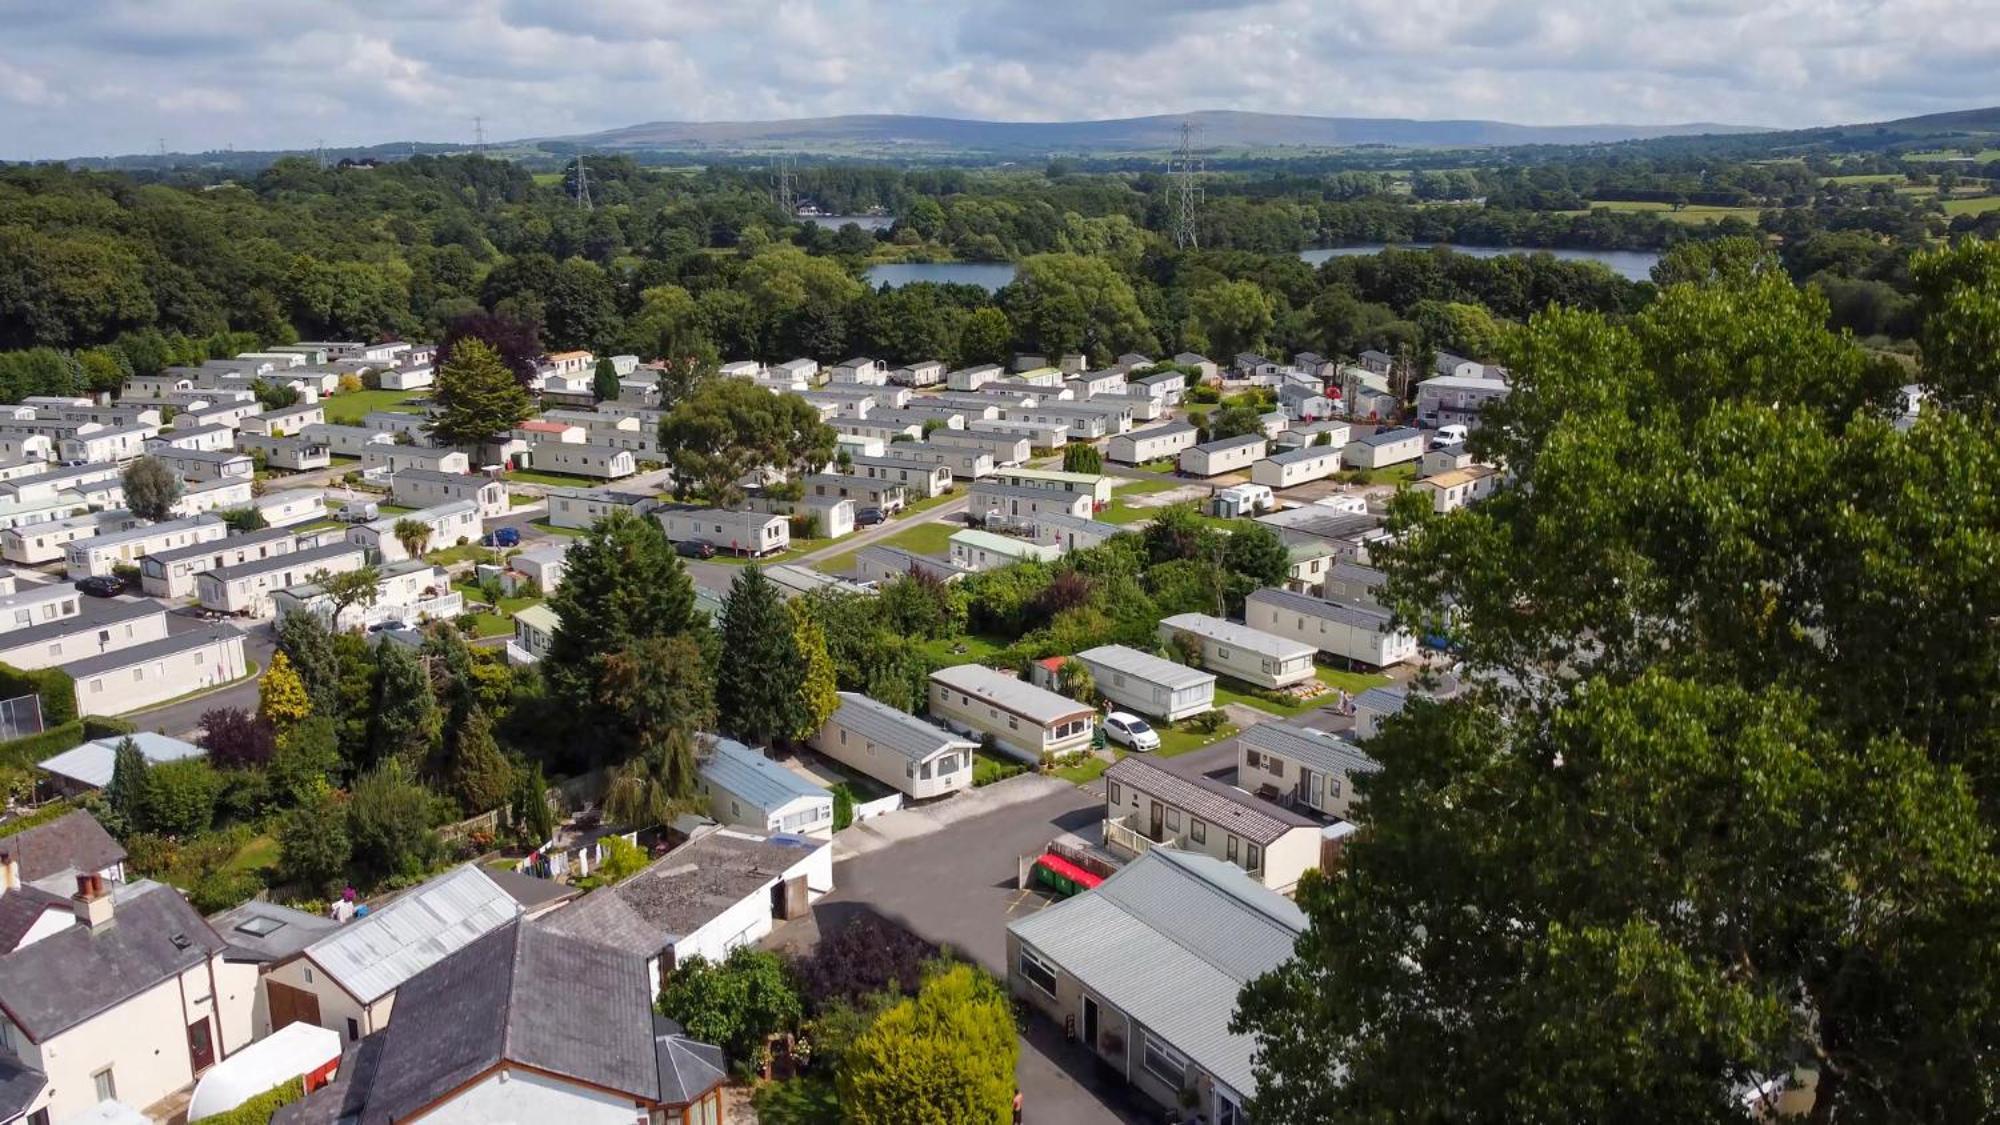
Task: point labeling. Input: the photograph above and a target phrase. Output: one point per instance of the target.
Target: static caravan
(1248, 654)
(395, 458)
(892, 427)
(1003, 449)
(1139, 681)
(226, 411)
(582, 507)
(1227, 455)
(408, 591)
(1452, 490)
(246, 588)
(291, 507)
(1297, 466)
(923, 373)
(1060, 530)
(451, 524)
(1356, 632)
(832, 516)
(131, 679)
(880, 563)
(120, 624)
(423, 488)
(1083, 424)
(749, 790)
(1147, 804)
(965, 463)
(33, 544)
(582, 459)
(972, 378)
(1097, 486)
(289, 422)
(1042, 435)
(38, 605)
(1449, 400)
(413, 378)
(754, 534)
(104, 445)
(1153, 444)
(952, 415)
(1307, 767)
(842, 402)
(104, 553)
(920, 759)
(348, 441)
(922, 478)
(1444, 459)
(27, 448)
(1384, 448)
(108, 414)
(1164, 386)
(976, 550)
(84, 480)
(860, 372)
(992, 499)
(866, 492)
(1026, 722)
(170, 573)
(1089, 384)
(297, 455)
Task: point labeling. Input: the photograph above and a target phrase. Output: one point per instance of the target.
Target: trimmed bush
(53, 685)
(30, 749)
(43, 815)
(258, 1110)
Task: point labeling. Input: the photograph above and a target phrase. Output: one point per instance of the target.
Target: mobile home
(1226, 455)
(1026, 722)
(1384, 448)
(749, 790)
(101, 554)
(246, 587)
(1297, 466)
(1358, 633)
(1141, 682)
(740, 533)
(131, 679)
(1310, 768)
(170, 573)
(920, 759)
(1153, 444)
(1248, 654)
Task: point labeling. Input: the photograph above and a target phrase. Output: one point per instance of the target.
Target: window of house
(1197, 830)
(1253, 759)
(1113, 794)
(1333, 787)
(1038, 972)
(1230, 849)
(107, 1086)
(353, 1029)
(1173, 820)
(1164, 1063)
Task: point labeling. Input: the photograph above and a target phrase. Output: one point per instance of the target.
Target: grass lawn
(545, 526)
(1972, 205)
(1693, 213)
(933, 538)
(517, 500)
(260, 852)
(553, 480)
(392, 510)
(977, 649)
(507, 606)
(1131, 487)
(1235, 691)
(1163, 465)
(469, 552)
(1088, 771)
(989, 768)
(348, 409)
(491, 625)
(1394, 474)
(1184, 739)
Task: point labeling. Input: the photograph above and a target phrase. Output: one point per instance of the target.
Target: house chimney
(10, 873)
(91, 902)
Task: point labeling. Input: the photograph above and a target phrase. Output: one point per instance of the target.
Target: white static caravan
(1355, 632)
(297, 455)
(1383, 448)
(170, 574)
(105, 445)
(1248, 654)
(1040, 435)
(748, 790)
(1026, 722)
(1312, 767)
(131, 679)
(1139, 681)
(578, 508)
(832, 516)
(1227, 455)
(976, 550)
(203, 464)
(395, 458)
(246, 587)
(104, 553)
(291, 507)
(450, 525)
(964, 462)
(972, 378)
(1095, 485)
(33, 544)
(991, 499)
(1083, 425)
(1004, 449)
(121, 624)
(38, 605)
(408, 591)
(740, 533)
(1297, 466)
(923, 373)
(1153, 444)
(1450, 491)
(864, 491)
(581, 459)
(289, 422)
(922, 478)
(348, 441)
(424, 488)
(921, 759)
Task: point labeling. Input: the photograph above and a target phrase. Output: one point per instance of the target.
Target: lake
(865, 222)
(1634, 265)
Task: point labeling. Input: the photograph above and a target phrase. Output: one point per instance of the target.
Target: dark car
(868, 517)
(101, 585)
(503, 537)
(694, 549)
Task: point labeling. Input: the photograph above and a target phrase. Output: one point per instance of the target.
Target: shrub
(43, 815)
(870, 955)
(1208, 722)
(52, 685)
(843, 805)
(259, 1110)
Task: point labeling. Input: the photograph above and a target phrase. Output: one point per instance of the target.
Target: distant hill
(1224, 130)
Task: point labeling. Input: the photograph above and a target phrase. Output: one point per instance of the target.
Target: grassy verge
(348, 409)
(507, 606)
(517, 500)
(1088, 771)
(989, 768)
(553, 480)
(933, 538)
(260, 853)
(1236, 691)
(1185, 739)
(491, 625)
(545, 526)
(976, 649)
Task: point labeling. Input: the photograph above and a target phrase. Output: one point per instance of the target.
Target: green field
(1984, 156)
(1972, 205)
(1690, 214)
(348, 409)
(1866, 178)
(933, 538)
(1354, 683)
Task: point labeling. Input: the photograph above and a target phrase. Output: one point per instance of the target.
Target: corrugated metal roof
(1242, 636)
(1382, 700)
(91, 762)
(1035, 704)
(371, 957)
(1387, 437)
(1222, 806)
(1237, 442)
(748, 774)
(1171, 939)
(1306, 453)
(1315, 748)
(1146, 666)
(891, 729)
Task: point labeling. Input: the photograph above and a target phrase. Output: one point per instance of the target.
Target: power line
(1184, 170)
(784, 187)
(479, 135)
(582, 183)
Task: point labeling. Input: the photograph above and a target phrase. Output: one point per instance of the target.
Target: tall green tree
(759, 688)
(307, 642)
(126, 793)
(390, 822)
(477, 774)
(151, 489)
(738, 1004)
(729, 428)
(604, 380)
(819, 695)
(1233, 316)
(622, 583)
(313, 845)
(945, 1055)
(404, 722)
(477, 397)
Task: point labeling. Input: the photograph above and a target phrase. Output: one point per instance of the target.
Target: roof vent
(180, 941)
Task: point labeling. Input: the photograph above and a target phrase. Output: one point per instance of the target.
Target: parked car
(502, 537)
(101, 585)
(1120, 726)
(695, 549)
(868, 517)
(387, 626)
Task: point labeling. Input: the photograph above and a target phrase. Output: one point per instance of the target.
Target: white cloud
(111, 76)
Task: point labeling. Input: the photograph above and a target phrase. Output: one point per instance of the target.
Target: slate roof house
(1148, 966)
(525, 1024)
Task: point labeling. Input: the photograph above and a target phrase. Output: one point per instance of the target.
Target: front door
(1090, 1022)
(1308, 786)
(1155, 833)
(201, 1046)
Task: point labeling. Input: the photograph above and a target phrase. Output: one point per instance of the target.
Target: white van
(1449, 435)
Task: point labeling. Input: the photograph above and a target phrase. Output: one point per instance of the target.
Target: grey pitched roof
(1240, 635)
(1171, 939)
(20, 909)
(294, 559)
(1167, 430)
(529, 890)
(74, 842)
(1236, 442)
(682, 891)
(20, 1085)
(1348, 571)
(1222, 806)
(1037, 705)
(80, 972)
(269, 931)
(1318, 749)
(340, 1101)
(219, 546)
(99, 615)
(1146, 666)
(1386, 700)
(750, 775)
(688, 1068)
(1305, 453)
(1387, 437)
(1346, 613)
(152, 650)
(891, 729)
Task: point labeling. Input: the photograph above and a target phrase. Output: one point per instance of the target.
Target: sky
(101, 77)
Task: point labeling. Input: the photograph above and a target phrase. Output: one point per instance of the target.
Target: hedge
(43, 815)
(258, 1110)
(30, 749)
(53, 685)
